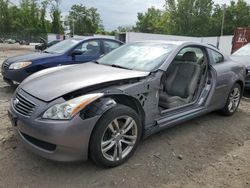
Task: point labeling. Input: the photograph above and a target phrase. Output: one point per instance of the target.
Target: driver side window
(90, 48)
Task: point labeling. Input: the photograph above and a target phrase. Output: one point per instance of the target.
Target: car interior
(90, 48)
(181, 82)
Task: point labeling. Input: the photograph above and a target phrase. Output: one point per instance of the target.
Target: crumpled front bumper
(54, 139)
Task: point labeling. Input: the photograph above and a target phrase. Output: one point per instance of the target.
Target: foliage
(237, 15)
(179, 17)
(84, 21)
(194, 18)
(56, 25)
(29, 17)
(150, 21)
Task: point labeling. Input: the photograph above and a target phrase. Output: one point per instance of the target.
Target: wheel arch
(100, 106)
(241, 83)
(108, 102)
(131, 102)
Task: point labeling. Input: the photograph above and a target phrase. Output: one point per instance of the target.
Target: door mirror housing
(76, 52)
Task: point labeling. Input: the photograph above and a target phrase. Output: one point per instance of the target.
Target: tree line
(29, 17)
(34, 17)
(194, 18)
(179, 17)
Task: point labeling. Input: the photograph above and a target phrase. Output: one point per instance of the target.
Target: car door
(91, 50)
(183, 82)
(183, 86)
(220, 70)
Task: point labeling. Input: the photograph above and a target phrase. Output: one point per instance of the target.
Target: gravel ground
(210, 151)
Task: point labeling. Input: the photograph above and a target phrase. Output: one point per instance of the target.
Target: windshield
(142, 56)
(245, 50)
(62, 46)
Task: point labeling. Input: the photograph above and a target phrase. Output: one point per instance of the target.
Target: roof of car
(178, 43)
(91, 37)
(162, 41)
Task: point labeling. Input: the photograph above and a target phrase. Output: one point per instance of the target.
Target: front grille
(23, 105)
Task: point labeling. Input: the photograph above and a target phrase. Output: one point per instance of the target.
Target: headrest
(189, 56)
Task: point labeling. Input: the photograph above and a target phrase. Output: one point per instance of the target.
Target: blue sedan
(70, 51)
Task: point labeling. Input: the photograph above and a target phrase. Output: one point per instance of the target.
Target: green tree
(84, 21)
(56, 25)
(189, 17)
(127, 28)
(151, 21)
(236, 15)
(4, 16)
(15, 19)
(43, 22)
(26, 19)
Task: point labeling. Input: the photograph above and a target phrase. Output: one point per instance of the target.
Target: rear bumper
(53, 139)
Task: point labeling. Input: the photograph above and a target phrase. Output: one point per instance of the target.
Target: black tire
(226, 109)
(100, 129)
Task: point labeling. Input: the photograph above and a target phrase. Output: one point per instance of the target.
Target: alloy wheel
(119, 138)
(234, 99)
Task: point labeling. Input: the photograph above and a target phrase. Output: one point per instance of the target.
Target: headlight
(69, 108)
(20, 65)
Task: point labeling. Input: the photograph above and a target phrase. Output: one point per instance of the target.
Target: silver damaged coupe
(101, 110)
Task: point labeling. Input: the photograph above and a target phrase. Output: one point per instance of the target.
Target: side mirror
(76, 52)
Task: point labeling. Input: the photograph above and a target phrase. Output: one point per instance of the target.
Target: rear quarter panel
(225, 75)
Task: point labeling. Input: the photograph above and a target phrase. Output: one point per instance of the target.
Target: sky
(116, 13)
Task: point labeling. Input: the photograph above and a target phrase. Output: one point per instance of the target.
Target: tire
(106, 131)
(233, 101)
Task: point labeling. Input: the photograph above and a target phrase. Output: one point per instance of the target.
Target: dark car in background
(43, 45)
(242, 55)
(67, 52)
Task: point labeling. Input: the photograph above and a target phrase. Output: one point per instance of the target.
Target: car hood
(55, 82)
(30, 57)
(245, 60)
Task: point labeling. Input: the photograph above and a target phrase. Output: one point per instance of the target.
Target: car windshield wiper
(119, 66)
(95, 61)
(47, 52)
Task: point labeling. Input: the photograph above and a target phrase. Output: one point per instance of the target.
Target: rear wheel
(233, 101)
(115, 137)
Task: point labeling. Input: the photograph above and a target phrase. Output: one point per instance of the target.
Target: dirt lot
(211, 151)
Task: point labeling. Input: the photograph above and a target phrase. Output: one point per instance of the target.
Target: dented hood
(54, 82)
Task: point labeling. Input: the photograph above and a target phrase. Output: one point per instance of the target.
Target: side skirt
(173, 120)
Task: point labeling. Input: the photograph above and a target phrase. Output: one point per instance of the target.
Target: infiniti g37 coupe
(101, 110)
(67, 52)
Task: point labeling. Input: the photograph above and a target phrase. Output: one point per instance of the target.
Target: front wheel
(115, 136)
(233, 101)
